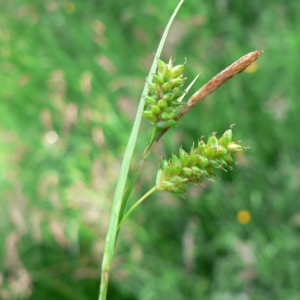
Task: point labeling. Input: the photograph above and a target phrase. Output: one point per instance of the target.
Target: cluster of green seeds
(197, 165)
(164, 92)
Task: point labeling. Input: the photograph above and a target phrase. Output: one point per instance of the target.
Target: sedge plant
(162, 105)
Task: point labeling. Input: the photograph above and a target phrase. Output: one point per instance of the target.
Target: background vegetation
(71, 76)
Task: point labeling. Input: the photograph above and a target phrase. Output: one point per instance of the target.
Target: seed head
(162, 101)
(198, 164)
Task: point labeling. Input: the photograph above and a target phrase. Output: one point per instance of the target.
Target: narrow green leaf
(117, 203)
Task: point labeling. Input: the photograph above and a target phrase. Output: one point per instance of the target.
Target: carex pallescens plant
(161, 103)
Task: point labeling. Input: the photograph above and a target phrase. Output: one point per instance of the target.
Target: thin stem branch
(136, 173)
(136, 204)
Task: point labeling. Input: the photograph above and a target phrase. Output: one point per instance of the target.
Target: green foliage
(71, 75)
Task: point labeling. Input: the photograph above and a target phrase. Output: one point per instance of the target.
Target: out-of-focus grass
(71, 73)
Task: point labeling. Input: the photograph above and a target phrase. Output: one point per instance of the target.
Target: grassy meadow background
(71, 74)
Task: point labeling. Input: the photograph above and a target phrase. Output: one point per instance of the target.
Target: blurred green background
(70, 80)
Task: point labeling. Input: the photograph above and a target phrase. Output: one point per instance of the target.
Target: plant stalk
(117, 205)
(136, 204)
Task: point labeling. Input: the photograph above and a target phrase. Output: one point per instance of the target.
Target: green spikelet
(164, 91)
(198, 164)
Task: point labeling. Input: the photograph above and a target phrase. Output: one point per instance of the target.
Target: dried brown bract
(235, 68)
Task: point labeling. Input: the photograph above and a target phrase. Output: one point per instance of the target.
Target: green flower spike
(199, 163)
(162, 100)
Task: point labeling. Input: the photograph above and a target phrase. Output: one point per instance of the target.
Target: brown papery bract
(235, 68)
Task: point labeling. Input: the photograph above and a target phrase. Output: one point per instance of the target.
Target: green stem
(136, 172)
(136, 204)
(117, 217)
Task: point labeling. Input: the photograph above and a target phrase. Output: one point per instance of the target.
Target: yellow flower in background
(244, 216)
(69, 7)
(252, 68)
